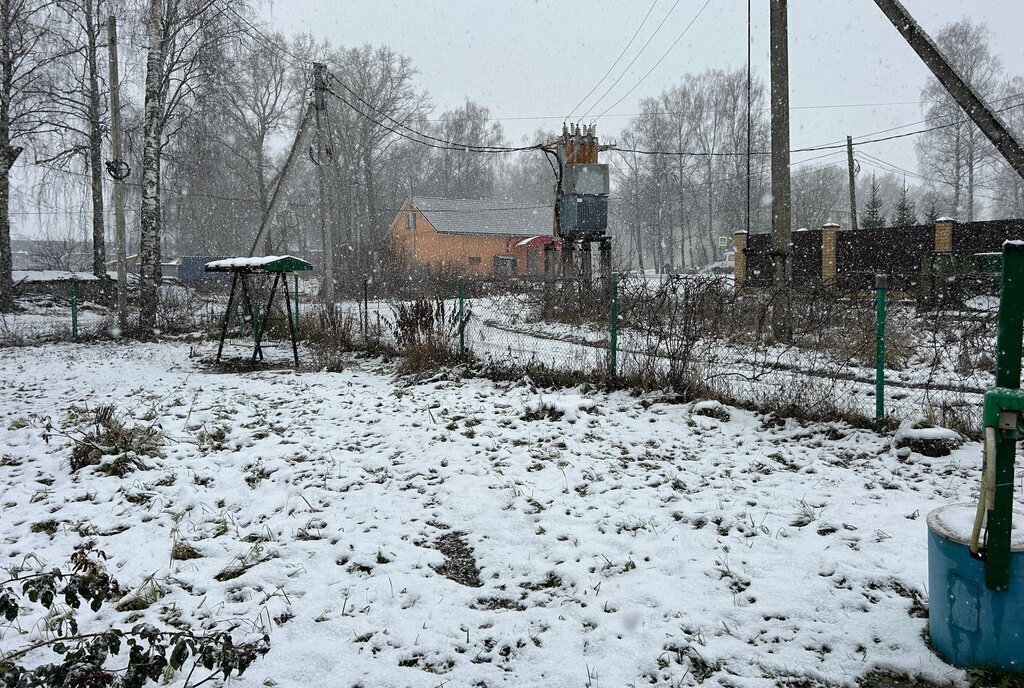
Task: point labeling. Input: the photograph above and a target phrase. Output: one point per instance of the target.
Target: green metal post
(74, 308)
(613, 359)
(366, 308)
(1008, 366)
(881, 286)
(296, 303)
(462, 318)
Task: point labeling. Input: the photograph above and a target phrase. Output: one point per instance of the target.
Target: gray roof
(486, 216)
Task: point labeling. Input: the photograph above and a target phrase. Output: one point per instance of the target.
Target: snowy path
(620, 540)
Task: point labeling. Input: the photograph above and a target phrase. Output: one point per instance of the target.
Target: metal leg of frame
(291, 321)
(227, 316)
(258, 350)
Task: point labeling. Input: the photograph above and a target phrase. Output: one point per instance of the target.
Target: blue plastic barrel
(970, 625)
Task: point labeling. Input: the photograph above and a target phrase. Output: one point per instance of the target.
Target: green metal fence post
(462, 318)
(881, 286)
(613, 359)
(74, 308)
(296, 303)
(1008, 371)
(366, 308)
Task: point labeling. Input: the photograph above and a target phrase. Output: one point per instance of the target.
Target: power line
(517, 118)
(599, 81)
(886, 166)
(660, 59)
(957, 119)
(424, 138)
(256, 34)
(811, 149)
(631, 62)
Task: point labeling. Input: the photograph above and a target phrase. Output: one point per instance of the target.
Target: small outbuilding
(478, 237)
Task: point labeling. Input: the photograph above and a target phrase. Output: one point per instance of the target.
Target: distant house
(480, 237)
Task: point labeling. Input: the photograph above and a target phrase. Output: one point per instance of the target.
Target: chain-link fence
(71, 310)
(691, 334)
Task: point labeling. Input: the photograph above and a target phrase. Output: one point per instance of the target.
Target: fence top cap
(945, 219)
(830, 225)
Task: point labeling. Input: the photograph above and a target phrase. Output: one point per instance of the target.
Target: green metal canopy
(241, 270)
(260, 264)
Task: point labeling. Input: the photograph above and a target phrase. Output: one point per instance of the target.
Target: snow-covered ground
(465, 532)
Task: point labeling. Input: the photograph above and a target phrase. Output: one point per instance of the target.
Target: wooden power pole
(320, 104)
(117, 167)
(781, 201)
(853, 182)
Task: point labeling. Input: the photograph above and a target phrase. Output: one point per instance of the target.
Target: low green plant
(82, 658)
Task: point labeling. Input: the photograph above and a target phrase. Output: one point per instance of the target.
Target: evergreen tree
(905, 212)
(874, 215)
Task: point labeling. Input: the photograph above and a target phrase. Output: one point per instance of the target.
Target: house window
(474, 260)
(410, 221)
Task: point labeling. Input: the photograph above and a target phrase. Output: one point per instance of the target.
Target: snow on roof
(253, 262)
(485, 216)
(945, 219)
(524, 242)
(54, 276)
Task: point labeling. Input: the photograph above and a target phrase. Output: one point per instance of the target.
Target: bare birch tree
(75, 94)
(182, 39)
(25, 57)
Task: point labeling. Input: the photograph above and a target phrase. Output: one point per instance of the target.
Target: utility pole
(781, 218)
(115, 152)
(853, 183)
(327, 237)
(263, 242)
(971, 103)
(749, 127)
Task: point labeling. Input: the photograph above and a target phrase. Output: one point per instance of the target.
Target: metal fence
(692, 335)
(696, 337)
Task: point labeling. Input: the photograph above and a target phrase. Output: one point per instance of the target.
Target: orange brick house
(478, 237)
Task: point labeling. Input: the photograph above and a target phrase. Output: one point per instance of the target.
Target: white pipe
(986, 496)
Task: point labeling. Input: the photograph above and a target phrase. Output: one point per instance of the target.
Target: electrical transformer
(583, 203)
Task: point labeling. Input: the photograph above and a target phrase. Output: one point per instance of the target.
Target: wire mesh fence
(692, 334)
(697, 336)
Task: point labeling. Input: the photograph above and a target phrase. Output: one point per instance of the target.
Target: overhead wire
(255, 33)
(660, 59)
(423, 137)
(617, 59)
(635, 58)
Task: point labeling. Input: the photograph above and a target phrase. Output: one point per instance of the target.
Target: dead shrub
(330, 335)
(108, 435)
(425, 332)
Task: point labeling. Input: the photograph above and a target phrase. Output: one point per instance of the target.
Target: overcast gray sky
(530, 61)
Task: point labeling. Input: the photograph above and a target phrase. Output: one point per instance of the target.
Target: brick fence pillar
(944, 234)
(828, 253)
(739, 242)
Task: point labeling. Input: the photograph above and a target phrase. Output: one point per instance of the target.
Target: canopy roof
(259, 264)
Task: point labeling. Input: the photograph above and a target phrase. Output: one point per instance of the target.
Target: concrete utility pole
(115, 153)
(853, 183)
(987, 120)
(781, 213)
(319, 92)
(263, 242)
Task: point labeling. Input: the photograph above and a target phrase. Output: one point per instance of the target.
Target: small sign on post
(723, 242)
